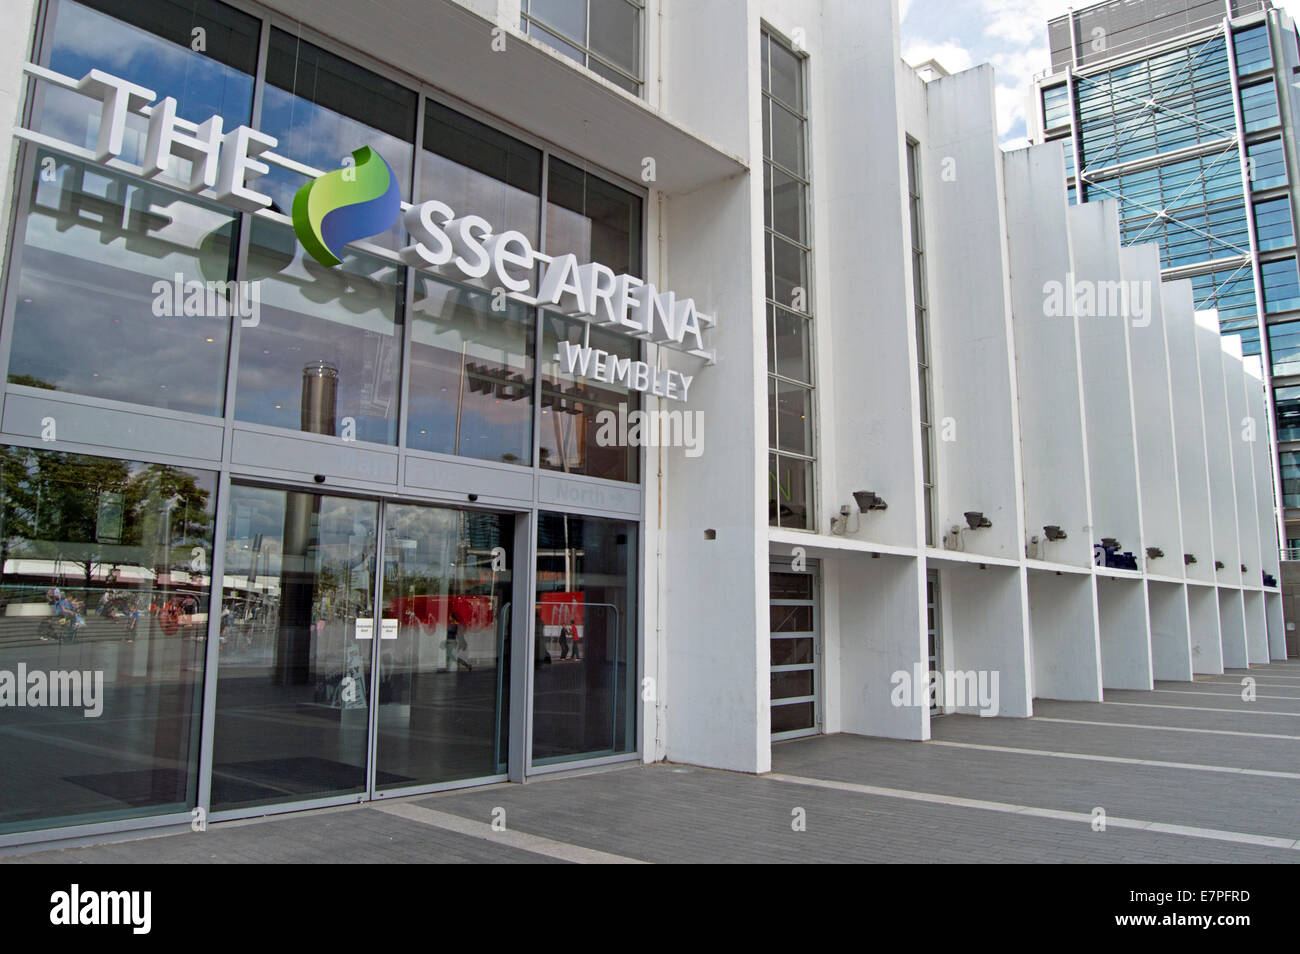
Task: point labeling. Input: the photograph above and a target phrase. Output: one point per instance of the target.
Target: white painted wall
(1189, 433)
(1108, 404)
(1171, 642)
(970, 317)
(1124, 624)
(1203, 622)
(1065, 639)
(989, 607)
(1153, 415)
(1048, 369)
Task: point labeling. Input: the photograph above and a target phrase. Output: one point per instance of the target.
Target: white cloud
(950, 54)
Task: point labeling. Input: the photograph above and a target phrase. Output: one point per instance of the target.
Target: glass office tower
(1183, 112)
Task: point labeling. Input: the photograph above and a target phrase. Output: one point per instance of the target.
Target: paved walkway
(1188, 773)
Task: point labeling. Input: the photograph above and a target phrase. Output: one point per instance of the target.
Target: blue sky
(1009, 34)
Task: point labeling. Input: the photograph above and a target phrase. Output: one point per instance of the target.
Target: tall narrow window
(921, 317)
(792, 454)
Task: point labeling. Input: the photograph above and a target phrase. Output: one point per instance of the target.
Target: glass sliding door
(585, 623)
(444, 648)
(298, 624)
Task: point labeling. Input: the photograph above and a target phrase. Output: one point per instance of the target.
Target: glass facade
(360, 640)
(788, 252)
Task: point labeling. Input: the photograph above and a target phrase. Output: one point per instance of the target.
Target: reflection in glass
(328, 345)
(585, 638)
(103, 578)
(293, 684)
(96, 308)
(321, 108)
(479, 171)
(594, 220)
(580, 430)
(150, 45)
(444, 682)
(471, 374)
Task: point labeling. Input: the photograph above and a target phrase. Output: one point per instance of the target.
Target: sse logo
(346, 204)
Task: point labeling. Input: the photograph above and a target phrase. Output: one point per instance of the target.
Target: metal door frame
(813, 570)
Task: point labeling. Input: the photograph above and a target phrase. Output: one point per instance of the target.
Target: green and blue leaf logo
(345, 205)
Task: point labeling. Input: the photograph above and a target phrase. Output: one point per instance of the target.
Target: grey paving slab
(1123, 742)
(667, 814)
(1242, 721)
(1191, 695)
(355, 836)
(1261, 806)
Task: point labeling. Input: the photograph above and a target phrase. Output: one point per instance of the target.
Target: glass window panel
(477, 170)
(789, 206)
(615, 33)
(585, 642)
(581, 428)
(471, 374)
(787, 139)
(593, 219)
(1273, 223)
(555, 43)
(791, 619)
(96, 306)
(1251, 47)
(1284, 346)
(328, 345)
(444, 684)
(293, 684)
(1259, 106)
(771, 413)
(790, 494)
(790, 586)
(614, 76)
(101, 592)
(794, 418)
(791, 652)
(1287, 402)
(567, 16)
(792, 717)
(786, 76)
(1281, 285)
(150, 45)
(790, 275)
(790, 685)
(321, 108)
(793, 358)
(1267, 164)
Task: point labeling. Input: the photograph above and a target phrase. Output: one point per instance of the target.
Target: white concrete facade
(1071, 388)
(1132, 420)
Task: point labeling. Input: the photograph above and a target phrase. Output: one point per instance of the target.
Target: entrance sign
(363, 199)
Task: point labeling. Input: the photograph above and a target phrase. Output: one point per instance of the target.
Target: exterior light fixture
(976, 520)
(1154, 553)
(868, 500)
(1053, 532)
(1189, 559)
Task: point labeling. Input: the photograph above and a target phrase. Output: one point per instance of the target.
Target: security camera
(976, 520)
(1154, 553)
(868, 500)
(1054, 532)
